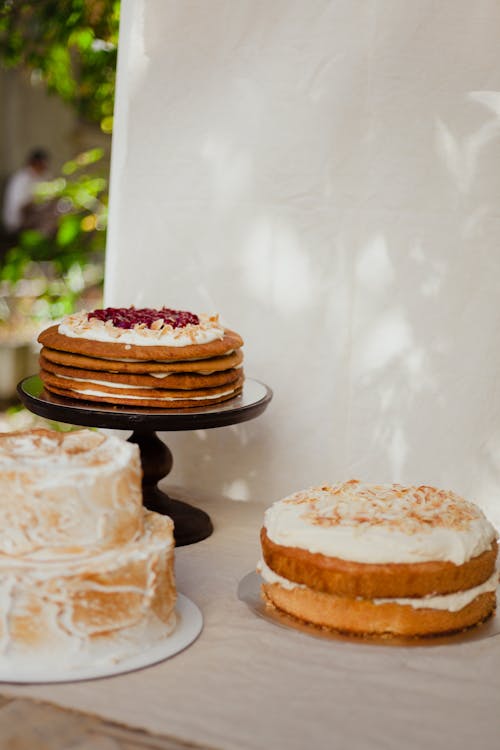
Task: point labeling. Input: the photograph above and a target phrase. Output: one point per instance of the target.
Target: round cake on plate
(165, 358)
(380, 559)
(86, 573)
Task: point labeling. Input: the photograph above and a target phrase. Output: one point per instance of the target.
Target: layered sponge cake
(380, 559)
(164, 358)
(85, 571)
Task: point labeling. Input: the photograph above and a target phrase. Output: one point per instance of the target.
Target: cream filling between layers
(113, 384)
(161, 361)
(109, 383)
(450, 602)
(375, 524)
(183, 397)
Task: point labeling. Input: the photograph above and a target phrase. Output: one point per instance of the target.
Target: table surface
(247, 684)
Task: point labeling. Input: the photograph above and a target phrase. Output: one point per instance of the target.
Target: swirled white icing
(372, 523)
(67, 612)
(67, 492)
(86, 574)
(79, 325)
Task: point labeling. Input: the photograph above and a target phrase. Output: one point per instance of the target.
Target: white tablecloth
(246, 684)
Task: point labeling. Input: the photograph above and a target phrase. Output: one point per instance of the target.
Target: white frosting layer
(109, 383)
(104, 394)
(113, 384)
(270, 576)
(80, 325)
(67, 492)
(450, 602)
(369, 523)
(163, 361)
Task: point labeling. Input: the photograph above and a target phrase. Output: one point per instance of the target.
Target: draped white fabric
(326, 176)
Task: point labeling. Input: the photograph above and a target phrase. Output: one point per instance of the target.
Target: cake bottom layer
(162, 398)
(61, 611)
(426, 616)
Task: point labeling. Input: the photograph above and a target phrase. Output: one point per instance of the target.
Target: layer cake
(379, 559)
(85, 572)
(162, 358)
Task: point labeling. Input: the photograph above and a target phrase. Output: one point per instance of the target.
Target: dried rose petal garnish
(128, 317)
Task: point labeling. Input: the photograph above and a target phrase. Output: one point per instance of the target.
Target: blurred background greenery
(67, 48)
(57, 84)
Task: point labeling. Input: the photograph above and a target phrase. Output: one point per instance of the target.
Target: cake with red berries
(86, 573)
(371, 559)
(162, 358)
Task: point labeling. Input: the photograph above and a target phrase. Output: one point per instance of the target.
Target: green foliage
(72, 47)
(69, 257)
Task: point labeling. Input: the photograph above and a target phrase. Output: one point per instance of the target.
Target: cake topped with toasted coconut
(377, 558)
(381, 523)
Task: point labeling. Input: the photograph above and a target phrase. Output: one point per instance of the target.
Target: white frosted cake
(85, 572)
(386, 559)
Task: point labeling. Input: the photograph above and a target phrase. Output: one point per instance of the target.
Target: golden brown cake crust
(100, 364)
(364, 617)
(351, 579)
(182, 381)
(179, 402)
(55, 340)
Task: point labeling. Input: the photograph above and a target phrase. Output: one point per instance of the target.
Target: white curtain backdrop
(326, 175)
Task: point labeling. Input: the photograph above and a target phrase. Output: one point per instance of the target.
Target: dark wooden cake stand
(191, 523)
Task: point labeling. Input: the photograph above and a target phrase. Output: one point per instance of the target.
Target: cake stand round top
(249, 404)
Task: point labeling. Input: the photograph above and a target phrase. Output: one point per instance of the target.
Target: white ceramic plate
(249, 592)
(188, 628)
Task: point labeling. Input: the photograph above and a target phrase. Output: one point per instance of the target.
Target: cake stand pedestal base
(191, 524)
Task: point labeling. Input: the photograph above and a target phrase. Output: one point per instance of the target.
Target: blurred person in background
(20, 211)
